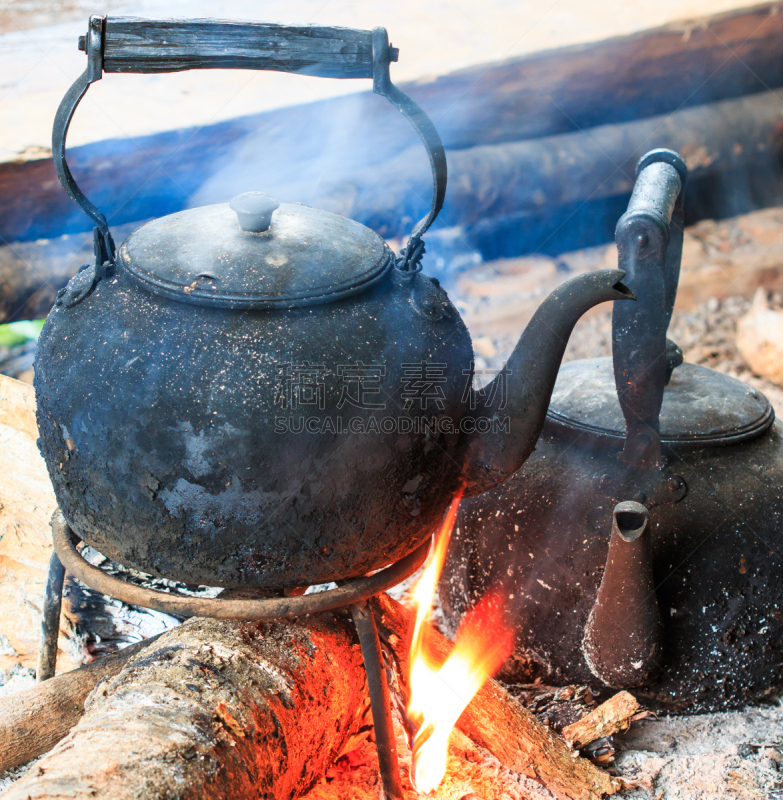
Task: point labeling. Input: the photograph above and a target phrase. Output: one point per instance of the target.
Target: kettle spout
(509, 413)
(622, 640)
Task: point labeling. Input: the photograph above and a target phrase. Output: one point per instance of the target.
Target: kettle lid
(701, 407)
(255, 254)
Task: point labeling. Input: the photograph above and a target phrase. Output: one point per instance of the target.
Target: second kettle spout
(623, 636)
(509, 413)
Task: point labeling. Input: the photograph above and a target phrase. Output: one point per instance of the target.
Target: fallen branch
(499, 724)
(214, 710)
(610, 717)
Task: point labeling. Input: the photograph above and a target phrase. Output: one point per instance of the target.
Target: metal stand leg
(50, 619)
(380, 700)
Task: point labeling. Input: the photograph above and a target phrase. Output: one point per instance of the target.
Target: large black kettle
(263, 394)
(642, 543)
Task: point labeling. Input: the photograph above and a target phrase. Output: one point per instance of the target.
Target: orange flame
(440, 693)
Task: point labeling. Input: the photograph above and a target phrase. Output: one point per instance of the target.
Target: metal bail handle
(649, 243)
(131, 45)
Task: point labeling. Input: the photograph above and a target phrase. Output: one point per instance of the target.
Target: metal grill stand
(353, 593)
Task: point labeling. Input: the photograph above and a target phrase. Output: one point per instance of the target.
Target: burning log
(201, 654)
(215, 709)
(498, 723)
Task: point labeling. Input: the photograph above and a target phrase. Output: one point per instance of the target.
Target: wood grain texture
(683, 64)
(34, 720)
(26, 505)
(610, 717)
(734, 151)
(165, 45)
(214, 710)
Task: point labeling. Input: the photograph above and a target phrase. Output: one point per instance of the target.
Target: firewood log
(26, 505)
(494, 720)
(610, 717)
(31, 273)
(760, 338)
(34, 720)
(733, 150)
(214, 709)
(498, 723)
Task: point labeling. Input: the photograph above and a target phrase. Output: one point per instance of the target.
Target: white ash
(722, 756)
(11, 776)
(16, 679)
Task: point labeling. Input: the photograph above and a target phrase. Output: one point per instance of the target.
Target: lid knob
(254, 211)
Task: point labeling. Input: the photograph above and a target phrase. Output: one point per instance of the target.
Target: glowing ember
(439, 694)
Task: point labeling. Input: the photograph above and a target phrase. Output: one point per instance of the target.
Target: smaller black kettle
(641, 545)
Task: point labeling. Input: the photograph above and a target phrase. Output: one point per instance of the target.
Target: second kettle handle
(649, 240)
(128, 44)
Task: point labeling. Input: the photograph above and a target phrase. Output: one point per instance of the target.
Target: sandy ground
(39, 59)
(728, 756)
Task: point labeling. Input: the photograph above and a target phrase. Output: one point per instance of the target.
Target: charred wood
(165, 45)
(555, 706)
(610, 717)
(547, 195)
(528, 190)
(31, 273)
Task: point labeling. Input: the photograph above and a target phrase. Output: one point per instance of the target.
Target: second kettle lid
(700, 406)
(255, 253)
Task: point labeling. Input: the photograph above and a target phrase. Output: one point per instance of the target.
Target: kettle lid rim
(307, 257)
(701, 407)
